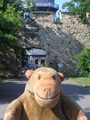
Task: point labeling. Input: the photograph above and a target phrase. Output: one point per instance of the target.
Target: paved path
(12, 88)
(80, 94)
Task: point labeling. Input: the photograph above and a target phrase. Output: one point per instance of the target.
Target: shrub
(43, 65)
(2, 77)
(83, 62)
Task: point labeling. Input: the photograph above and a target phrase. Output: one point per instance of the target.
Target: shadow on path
(11, 89)
(74, 91)
(79, 93)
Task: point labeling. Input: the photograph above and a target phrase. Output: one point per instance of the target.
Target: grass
(85, 81)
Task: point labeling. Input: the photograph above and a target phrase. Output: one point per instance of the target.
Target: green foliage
(10, 21)
(80, 7)
(17, 4)
(58, 18)
(83, 62)
(2, 77)
(69, 5)
(43, 65)
(30, 6)
(10, 27)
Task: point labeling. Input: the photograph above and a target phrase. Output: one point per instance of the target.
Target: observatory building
(46, 5)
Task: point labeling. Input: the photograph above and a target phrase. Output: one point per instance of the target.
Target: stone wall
(72, 26)
(10, 63)
(60, 40)
(43, 17)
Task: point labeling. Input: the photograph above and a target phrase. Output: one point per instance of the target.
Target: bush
(2, 77)
(83, 62)
(43, 65)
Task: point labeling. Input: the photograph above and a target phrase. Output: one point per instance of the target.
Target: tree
(10, 25)
(29, 6)
(17, 4)
(80, 7)
(83, 62)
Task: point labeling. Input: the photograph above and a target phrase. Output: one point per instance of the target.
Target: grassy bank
(85, 81)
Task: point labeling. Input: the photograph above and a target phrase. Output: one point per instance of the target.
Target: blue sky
(60, 2)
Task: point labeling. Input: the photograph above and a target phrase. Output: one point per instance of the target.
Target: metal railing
(47, 5)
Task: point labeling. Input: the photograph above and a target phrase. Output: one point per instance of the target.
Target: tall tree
(10, 25)
(10, 21)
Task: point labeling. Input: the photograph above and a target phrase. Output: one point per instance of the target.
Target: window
(36, 61)
(42, 61)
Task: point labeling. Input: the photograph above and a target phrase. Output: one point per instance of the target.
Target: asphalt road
(12, 88)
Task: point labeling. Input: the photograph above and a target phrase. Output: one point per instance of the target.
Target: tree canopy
(29, 6)
(11, 21)
(10, 24)
(80, 7)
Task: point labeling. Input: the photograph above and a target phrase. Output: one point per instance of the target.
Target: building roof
(34, 51)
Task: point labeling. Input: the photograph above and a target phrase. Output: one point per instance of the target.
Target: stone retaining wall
(60, 40)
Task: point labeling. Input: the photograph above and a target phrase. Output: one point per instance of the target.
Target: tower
(46, 5)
